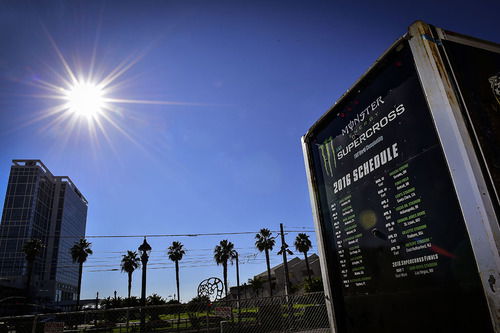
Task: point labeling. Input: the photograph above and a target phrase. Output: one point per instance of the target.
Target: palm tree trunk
(307, 266)
(224, 267)
(177, 280)
(129, 289)
(269, 273)
(80, 271)
(129, 283)
(178, 293)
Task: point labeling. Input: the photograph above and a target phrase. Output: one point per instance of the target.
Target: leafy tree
(199, 299)
(256, 284)
(31, 249)
(194, 307)
(112, 302)
(130, 262)
(265, 242)
(198, 303)
(223, 253)
(175, 253)
(303, 244)
(155, 299)
(173, 302)
(174, 307)
(79, 253)
(131, 301)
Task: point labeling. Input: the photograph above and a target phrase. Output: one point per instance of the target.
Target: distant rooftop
(37, 163)
(64, 179)
(292, 262)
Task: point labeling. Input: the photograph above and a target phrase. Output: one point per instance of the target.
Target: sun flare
(85, 99)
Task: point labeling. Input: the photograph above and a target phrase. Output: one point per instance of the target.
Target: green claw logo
(495, 86)
(328, 154)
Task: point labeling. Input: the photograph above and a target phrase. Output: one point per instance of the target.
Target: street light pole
(144, 250)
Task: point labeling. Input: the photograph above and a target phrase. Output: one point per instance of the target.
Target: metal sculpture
(212, 288)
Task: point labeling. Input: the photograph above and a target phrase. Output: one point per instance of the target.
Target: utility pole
(238, 285)
(96, 307)
(284, 250)
(238, 276)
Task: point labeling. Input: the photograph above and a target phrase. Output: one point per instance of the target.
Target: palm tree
(31, 249)
(265, 242)
(222, 253)
(130, 262)
(303, 244)
(79, 253)
(175, 253)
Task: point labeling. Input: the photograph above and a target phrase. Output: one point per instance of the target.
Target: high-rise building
(52, 209)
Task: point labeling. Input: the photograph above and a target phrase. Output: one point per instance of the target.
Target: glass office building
(52, 209)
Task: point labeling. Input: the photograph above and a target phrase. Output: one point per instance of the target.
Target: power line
(116, 259)
(157, 235)
(93, 262)
(168, 267)
(186, 249)
(89, 263)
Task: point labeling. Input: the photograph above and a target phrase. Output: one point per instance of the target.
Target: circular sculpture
(211, 288)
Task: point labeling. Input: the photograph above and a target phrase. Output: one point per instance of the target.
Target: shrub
(315, 285)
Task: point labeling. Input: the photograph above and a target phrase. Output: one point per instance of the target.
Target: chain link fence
(297, 313)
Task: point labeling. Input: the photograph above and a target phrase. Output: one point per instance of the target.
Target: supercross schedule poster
(398, 251)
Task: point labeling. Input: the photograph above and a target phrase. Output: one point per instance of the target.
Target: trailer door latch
(492, 281)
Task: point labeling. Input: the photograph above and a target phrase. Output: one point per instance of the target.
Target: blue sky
(255, 75)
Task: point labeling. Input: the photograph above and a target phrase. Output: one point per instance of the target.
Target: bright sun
(85, 99)
(90, 98)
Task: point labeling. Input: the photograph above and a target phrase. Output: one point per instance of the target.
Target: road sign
(223, 311)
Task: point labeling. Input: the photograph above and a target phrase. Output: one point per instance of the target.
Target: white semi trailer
(404, 178)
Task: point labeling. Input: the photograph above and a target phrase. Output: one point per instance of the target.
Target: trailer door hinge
(431, 39)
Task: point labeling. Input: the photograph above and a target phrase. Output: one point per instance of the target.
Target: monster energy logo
(327, 154)
(495, 86)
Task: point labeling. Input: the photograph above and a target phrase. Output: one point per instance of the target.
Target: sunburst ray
(87, 101)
